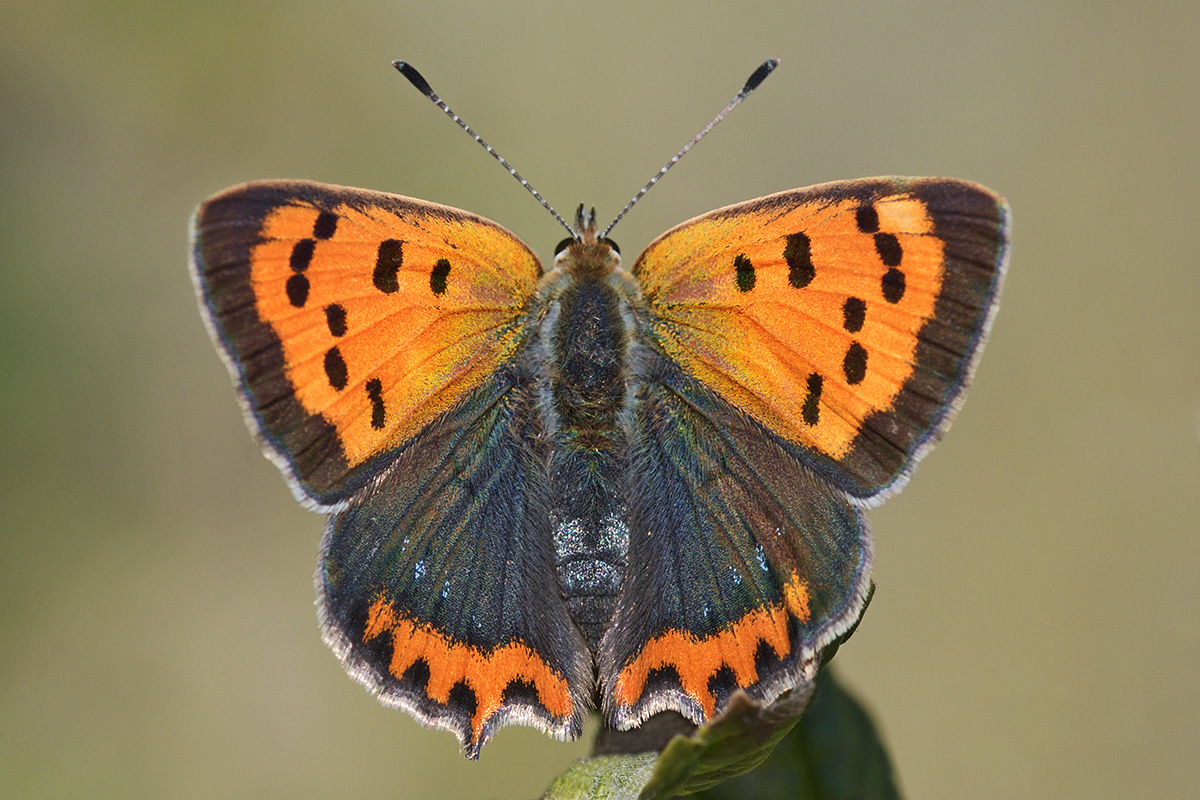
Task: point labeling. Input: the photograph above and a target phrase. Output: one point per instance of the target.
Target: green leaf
(835, 753)
(736, 741)
(603, 778)
(832, 752)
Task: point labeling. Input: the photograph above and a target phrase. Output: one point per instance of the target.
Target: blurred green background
(1036, 629)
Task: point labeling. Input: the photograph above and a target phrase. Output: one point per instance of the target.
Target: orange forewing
(428, 350)
(759, 347)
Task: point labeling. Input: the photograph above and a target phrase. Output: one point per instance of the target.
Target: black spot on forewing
(867, 218)
(302, 253)
(335, 369)
(888, 247)
(745, 273)
(297, 290)
(798, 255)
(335, 318)
(388, 261)
(326, 225)
(375, 392)
(854, 314)
(297, 284)
(854, 365)
(437, 278)
(811, 413)
(892, 285)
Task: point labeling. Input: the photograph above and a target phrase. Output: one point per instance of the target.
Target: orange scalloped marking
(450, 662)
(696, 659)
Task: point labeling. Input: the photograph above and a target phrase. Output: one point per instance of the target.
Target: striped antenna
(422, 85)
(752, 83)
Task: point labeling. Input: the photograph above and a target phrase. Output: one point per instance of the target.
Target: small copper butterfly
(633, 489)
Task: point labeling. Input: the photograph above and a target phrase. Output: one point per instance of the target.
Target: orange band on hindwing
(696, 659)
(487, 674)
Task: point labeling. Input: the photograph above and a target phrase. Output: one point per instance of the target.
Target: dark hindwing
(743, 563)
(437, 586)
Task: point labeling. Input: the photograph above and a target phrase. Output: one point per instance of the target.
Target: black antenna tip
(759, 75)
(418, 80)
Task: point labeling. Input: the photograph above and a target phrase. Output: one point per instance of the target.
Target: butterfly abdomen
(588, 340)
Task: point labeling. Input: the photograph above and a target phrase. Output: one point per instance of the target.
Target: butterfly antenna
(418, 80)
(752, 83)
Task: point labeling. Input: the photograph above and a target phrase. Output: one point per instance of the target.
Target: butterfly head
(586, 253)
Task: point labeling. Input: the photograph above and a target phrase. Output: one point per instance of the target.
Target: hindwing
(437, 587)
(744, 563)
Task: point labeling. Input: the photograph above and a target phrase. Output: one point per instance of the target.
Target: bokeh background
(1036, 629)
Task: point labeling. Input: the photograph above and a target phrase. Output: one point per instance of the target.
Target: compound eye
(561, 246)
(612, 244)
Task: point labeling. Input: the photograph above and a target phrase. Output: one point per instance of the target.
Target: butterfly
(638, 489)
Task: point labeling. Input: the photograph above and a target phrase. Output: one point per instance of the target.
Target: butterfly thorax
(586, 396)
